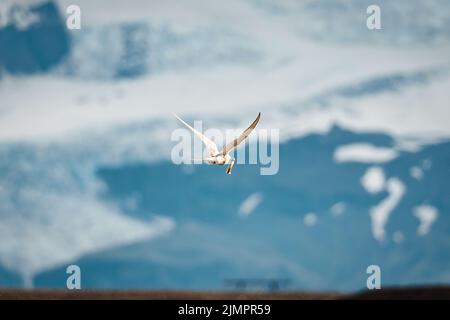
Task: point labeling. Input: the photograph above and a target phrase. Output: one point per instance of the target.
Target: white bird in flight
(222, 157)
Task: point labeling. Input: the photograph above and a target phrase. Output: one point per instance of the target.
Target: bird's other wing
(242, 137)
(210, 145)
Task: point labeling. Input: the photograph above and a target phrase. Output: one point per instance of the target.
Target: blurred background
(85, 126)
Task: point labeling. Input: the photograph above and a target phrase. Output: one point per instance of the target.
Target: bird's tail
(230, 166)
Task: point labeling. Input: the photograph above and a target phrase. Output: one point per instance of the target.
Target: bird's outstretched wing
(210, 145)
(242, 137)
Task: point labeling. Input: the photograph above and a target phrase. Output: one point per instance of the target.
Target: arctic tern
(222, 157)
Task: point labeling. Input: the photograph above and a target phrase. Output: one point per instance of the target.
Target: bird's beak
(230, 166)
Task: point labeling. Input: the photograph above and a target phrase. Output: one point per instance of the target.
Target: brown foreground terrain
(438, 292)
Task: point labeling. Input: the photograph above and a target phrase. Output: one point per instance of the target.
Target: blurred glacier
(85, 124)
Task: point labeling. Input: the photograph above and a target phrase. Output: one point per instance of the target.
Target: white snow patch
(380, 213)
(310, 219)
(373, 180)
(338, 209)
(416, 172)
(427, 164)
(364, 152)
(250, 204)
(427, 215)
(398, 237)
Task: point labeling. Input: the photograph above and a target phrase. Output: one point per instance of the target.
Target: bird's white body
(219, 159)
(222, 157)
